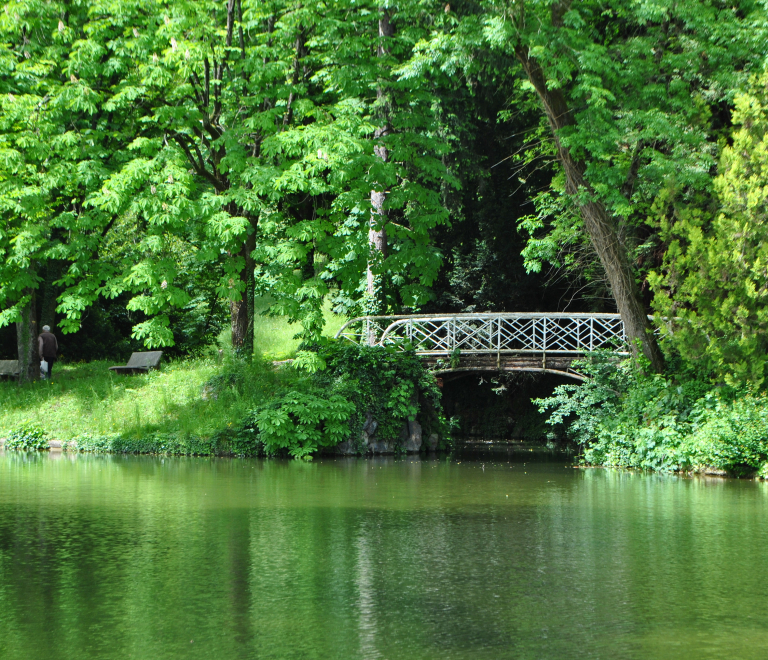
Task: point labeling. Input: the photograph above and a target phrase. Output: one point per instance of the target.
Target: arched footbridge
(460, 343)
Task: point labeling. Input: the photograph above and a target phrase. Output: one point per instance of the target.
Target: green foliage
(624, 417)
(723, 433)
(713, 290)
(556, 238)
(158, 152)
(309, 361)
(348, 384)
(582, 408)
(173, 159)
(27, 437)
(730, 434)
(387, 382)
(302, 422)
(242, 440)
(455, 358)
(151, 443)
(238, 442)
(644, 89)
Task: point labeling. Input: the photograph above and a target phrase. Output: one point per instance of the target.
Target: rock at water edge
(432, 441)
(412, 436)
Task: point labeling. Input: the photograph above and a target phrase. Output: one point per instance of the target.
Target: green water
(151, 558)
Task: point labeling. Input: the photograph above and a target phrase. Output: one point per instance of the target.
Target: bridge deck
(494, 342)
(552, 364)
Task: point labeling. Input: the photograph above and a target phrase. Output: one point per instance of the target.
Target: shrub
(624, 417)
(389, 382)
(301, 422)
(730, 434)
(347, 382)
(27, 437)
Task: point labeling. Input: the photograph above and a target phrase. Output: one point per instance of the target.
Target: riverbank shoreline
(514, 451)
(489, 449)
(377, 400)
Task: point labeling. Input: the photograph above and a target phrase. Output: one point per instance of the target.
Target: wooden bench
(9, 368)
(140, 363)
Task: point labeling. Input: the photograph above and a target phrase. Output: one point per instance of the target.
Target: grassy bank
(359, 398)
(183, 398)
(190, 401)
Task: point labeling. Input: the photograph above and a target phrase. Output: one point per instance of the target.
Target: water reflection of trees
(354, 558)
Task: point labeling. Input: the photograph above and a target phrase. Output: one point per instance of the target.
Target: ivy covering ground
(27, 437)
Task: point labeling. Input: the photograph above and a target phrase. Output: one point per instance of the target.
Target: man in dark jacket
(47, 347)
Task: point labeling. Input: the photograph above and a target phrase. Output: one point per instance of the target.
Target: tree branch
(207, 96)
(240, 28)
(199, 166)
(197, 87)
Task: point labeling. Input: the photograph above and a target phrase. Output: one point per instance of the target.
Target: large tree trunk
(26, 341)
(377, 233)
(242, 310)
(50, 293)
(600, 225)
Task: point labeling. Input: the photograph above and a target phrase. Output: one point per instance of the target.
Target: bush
(390, 383)
(346, 383)
(624, 417)
(300, 423)
(27, 437)
(731, 435)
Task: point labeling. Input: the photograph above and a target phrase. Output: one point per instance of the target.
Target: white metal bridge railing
(492, 333)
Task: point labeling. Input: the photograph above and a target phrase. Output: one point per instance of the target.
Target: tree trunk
(50, 293)
(26, 341)
(600, 226)
(242, 310)
(238, 311)
(377, 233)
(300, 53)
(250, 292)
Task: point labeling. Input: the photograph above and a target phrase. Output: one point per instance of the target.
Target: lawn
(184, 397)
(274, 337)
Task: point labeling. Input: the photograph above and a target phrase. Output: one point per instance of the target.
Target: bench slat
(140, 363)
(130, 370)
(149, 359)
(9, 367)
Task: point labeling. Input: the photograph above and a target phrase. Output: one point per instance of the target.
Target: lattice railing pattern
(365, 329)
(492, 333)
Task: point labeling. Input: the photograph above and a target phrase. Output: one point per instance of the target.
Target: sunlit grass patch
(274, 337)
(88, 398)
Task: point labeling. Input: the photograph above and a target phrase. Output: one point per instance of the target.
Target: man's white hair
(46, 328)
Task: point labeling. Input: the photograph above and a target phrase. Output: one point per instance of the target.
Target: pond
(139, 557)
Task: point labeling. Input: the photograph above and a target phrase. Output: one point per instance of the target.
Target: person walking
(46, 348)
